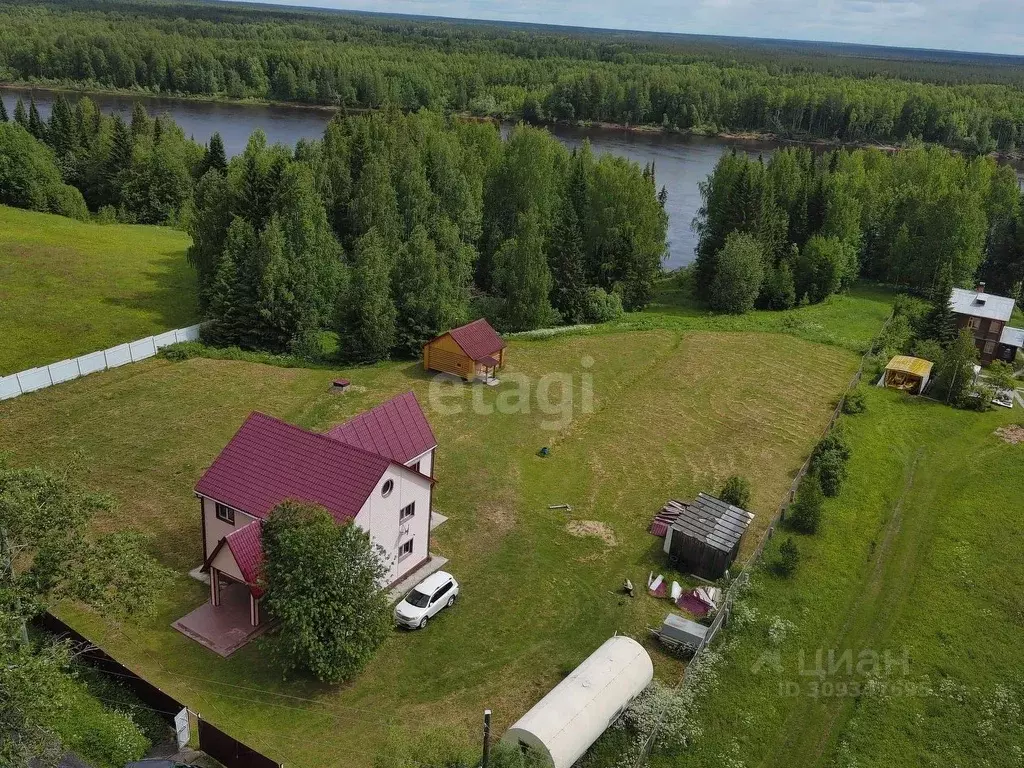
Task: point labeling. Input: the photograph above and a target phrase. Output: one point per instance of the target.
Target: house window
(990, 347)
(225, 513)
(407, 512)
(974, 323)
(389, 486)
(405, 550)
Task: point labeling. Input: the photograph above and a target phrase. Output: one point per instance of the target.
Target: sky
(992, 26)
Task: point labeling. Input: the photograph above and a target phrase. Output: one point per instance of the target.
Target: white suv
(435, 592)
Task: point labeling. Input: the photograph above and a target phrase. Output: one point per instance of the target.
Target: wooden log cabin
(469, 351)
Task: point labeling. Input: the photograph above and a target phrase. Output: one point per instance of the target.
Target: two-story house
(375, 471)
(987, 317)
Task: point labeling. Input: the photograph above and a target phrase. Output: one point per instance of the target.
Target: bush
(602, 307)
(736, 491)
(831, 470)
(787, 559)
(928, 349)
(778, 290)
(828, 461)
(804, 515)
(184, 350)
(821, 268)
(738, 275)
(855, 402)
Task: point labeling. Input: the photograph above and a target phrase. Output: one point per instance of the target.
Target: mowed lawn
(921, 558)
(68, 287)
(673, 413)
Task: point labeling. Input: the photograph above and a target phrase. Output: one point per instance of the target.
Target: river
(681, 162)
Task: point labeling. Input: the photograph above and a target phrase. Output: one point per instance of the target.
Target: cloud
(995, 26)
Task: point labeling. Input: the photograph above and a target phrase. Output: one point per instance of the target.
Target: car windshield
(418, 599)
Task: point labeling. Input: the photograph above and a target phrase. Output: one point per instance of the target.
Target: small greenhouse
(571, 717)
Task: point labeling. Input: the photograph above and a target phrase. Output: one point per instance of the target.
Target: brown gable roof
(246, 547)
(268, 462)
(477, 339)
(397, 429)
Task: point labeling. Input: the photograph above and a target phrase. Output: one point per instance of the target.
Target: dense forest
(803, 226)
(389, 230)
(362, 61)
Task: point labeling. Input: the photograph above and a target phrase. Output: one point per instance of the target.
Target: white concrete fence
(66, 370)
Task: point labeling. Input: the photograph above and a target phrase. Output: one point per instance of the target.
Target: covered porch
(227, 621)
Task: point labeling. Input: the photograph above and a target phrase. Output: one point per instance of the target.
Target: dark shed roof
(713, 522)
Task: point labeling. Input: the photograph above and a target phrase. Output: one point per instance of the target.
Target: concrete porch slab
(433, 565)
(436, 519)
(224, 628)
(197, 574)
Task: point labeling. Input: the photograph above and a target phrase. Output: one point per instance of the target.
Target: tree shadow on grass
(173, 302)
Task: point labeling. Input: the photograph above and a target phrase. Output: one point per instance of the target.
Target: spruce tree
(3, 112)
(522, 277)
(569, 295)
(118, 163)
(20, 115)
(369, 330)
(140, 121)
(215, 157)
(940, 324)
(36, 126)
(418, 297)
(280, 318)
(63, 130)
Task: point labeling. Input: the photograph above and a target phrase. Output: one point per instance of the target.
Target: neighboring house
(375, 471)
(987, 316)
(469, 351)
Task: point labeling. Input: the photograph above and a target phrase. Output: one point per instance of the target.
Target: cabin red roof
(477, 339)
(246, 545)
(269, 461)
(396, 429)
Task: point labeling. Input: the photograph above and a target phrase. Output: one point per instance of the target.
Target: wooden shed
(705, 536)
(469, 351)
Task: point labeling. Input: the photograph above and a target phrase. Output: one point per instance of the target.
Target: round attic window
(387, 488)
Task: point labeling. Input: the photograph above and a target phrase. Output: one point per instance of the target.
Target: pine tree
(20, 115)
(158, 130)
(36, 126)
(3, 112)
(369, 332)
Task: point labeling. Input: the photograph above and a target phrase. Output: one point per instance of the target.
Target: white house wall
(218, 529)
(426, 462)
(379, 516)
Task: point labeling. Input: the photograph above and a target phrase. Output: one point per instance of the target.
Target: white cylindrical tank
(563, 725)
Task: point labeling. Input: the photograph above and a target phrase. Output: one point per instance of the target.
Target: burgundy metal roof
(477, 339)
(269, 461)
(246, 545)
(397, 429)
